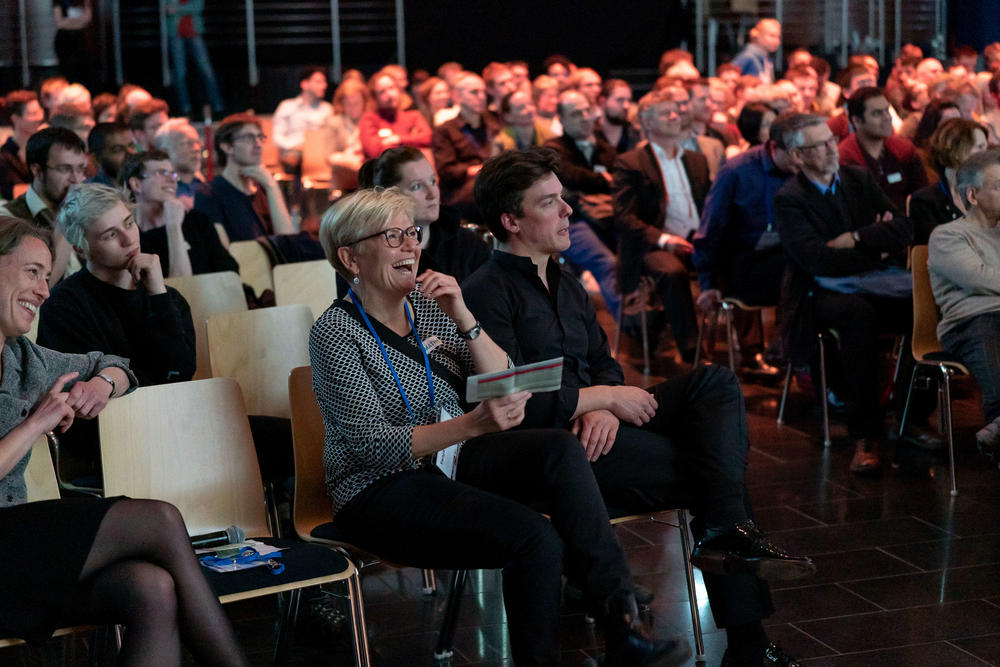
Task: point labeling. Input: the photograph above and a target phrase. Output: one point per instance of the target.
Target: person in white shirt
(658, 192)
(296, 116)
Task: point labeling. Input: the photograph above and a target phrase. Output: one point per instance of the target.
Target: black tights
(141, 572)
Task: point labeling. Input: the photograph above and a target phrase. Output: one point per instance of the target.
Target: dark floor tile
(783, 518)
(957, 552)
(861, 564)
(847, 537)
(888, 629)
(883, 506)
(929, 655)
(925, 588)
(985, 648)
(810, 602)
(796, 493)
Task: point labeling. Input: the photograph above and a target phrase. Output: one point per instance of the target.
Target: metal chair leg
(909, 394)
(447, 636)
(727, 308)
(784, 395)
(361, 657)
(430, 584)
(699, 640)
(946, 415)
(704, 322)
(822, 380)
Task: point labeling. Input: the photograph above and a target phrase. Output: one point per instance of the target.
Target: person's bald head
(766, 34)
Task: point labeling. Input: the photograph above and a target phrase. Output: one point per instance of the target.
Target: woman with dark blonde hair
(950, 145)
(351, 100)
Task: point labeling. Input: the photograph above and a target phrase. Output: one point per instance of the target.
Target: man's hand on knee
(597, 431)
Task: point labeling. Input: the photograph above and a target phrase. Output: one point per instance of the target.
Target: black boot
(628, 644)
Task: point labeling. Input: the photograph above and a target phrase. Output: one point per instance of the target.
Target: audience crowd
(783, 185)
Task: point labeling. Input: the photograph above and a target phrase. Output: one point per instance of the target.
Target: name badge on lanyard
(447, 458)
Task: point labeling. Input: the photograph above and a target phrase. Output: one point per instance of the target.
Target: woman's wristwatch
(472, 333)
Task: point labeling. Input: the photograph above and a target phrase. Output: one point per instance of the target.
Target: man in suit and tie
(585, 166)
(658, 192)
(834, 223)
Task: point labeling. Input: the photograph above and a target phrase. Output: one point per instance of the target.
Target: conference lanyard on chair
(385, 355)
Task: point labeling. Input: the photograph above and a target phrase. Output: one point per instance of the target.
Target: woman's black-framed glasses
(394, 235)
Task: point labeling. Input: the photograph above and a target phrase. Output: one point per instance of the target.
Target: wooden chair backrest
(187, 443)
(220, 231)
(312, 506)
(209, 294)
(312, 283)
(40, 475)
(259, 348)
(925, 311)
(317, 147)
(255, 266)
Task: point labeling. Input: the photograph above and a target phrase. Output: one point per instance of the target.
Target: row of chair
(924, 345)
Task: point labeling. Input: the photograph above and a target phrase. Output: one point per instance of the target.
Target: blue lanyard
(385, 355)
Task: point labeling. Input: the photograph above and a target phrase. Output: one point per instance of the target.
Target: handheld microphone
(231, 535)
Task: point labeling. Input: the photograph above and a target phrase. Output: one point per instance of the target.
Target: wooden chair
(259, 348)
(189, 444)
(255, 266)
(927, 350)
(223, 235)
(209, 294)
(311, 507)
(312, 283)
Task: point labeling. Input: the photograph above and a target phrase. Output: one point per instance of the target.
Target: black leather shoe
(770, 656)
(628, 644)
(744, 549)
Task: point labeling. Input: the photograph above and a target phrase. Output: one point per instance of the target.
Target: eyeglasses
(394, 235)
(69, 169)
(162, 173)
(830, 141)
(254, 138)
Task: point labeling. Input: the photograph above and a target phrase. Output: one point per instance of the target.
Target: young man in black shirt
(684, 443)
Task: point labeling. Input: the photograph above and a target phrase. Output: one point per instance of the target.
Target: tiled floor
(907, 575)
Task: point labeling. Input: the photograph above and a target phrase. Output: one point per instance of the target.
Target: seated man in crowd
(520, 130)
(109, 144)
(696, 139)
(658, 193)
(703, 109)
(78, 121)
(462, 144)
(737, 251)
(585, 171)
(185, 240)
(836, 224)
(57, 159)
(178, 138)
(545, 93)
(296, 116)
(535, 311)
(145, 119)
(499, 82)
(117, 304)
(390, 124)
(244, 198)
(614, 125)
(852, 79)
(892, 160)
(806, 80)
(26, 116)
(964, 264)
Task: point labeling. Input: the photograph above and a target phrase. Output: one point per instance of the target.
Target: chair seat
(303, 563)
(327, 531)
(942, 357)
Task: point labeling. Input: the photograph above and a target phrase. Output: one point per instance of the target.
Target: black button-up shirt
(532, 323)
